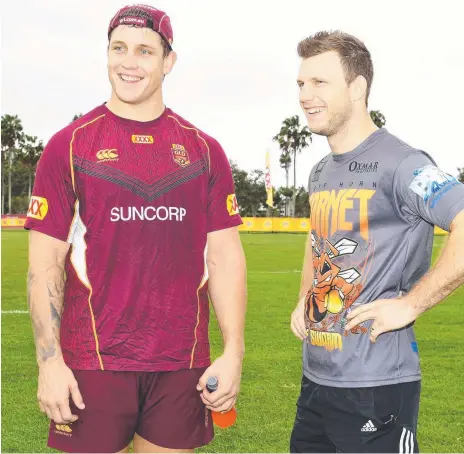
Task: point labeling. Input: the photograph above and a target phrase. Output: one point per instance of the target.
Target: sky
(237, 66)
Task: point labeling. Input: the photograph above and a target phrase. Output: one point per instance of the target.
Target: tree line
(21, 153)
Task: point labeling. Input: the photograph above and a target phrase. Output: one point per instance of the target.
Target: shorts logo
(63, 429)
(142, 139)
(180, 155)
(369, 427)
(232, 205)
(38, 208)
(107, 155)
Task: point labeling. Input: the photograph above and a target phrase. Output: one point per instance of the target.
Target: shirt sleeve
(422, 190)
(222, 208)
(53, 202)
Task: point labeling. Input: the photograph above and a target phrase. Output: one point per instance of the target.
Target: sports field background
(272, 366)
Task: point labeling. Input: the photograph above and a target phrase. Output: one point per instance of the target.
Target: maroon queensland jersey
(136, 201)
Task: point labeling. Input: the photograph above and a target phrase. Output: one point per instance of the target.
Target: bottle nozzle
(212, 384)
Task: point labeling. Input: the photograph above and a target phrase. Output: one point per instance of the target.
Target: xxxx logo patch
(232, 205)
(38, 208)
(142, 139)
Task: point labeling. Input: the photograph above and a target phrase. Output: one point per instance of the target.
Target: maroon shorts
(164, 408)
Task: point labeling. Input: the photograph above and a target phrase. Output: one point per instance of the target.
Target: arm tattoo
(47, 337)
(55, 287)
(56, 317)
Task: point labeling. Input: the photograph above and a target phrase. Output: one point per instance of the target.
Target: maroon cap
(144, 16)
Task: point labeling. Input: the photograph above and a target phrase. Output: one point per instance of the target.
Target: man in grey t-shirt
(374, 202)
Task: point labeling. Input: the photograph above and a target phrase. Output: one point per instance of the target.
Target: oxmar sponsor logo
(147, 214)
(363, 167)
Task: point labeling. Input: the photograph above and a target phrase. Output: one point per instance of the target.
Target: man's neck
(149, 110)
(352, 135)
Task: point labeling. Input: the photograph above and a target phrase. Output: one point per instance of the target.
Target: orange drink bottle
(221, 419)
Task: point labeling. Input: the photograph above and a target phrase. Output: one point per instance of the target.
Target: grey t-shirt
(373, 212)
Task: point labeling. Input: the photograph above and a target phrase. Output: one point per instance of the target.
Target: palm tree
(30, 156)
(76, 117)
(12, 131)
(461, 174)
(378, 118)
(292, 139)
(285, 162)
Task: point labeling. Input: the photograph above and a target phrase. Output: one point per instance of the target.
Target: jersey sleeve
(222, 207)
(422, 190)
(52, 205)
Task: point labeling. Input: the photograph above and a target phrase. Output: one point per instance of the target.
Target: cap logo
(132, 20)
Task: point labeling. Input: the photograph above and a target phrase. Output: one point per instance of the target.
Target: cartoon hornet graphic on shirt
(334, 290)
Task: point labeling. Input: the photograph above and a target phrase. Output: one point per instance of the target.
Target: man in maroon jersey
(133, 223)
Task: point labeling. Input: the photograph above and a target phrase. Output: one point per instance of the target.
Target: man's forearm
(306, 281)
(446, 276)
(227, 289)
(45, 290)
(307, 274)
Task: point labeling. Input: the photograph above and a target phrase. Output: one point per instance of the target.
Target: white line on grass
(15, 312)
(259, 272)
(279, 272)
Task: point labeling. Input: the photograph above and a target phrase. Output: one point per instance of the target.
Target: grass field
(272, 366)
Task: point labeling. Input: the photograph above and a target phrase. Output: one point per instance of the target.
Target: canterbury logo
(107, 155)
(63, 428)
(142, 139)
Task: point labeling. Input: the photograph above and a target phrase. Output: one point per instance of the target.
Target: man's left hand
(228, 369)
(387, 315)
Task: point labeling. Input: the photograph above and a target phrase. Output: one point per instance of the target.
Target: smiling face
(325, 96)
(136, 65)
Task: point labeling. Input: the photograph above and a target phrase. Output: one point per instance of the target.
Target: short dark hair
(137, 12)
(355, 57)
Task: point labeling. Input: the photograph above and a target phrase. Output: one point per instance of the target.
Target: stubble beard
(336, 122)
